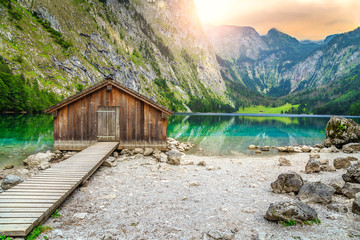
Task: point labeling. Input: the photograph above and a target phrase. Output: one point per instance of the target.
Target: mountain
(277, 64)
(156, 47)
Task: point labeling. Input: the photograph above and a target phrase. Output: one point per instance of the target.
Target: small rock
(202, 163)
(252, 147)
(287, 182)
(282, 149)
(290, 149)
(173, 157)
(312, 166)
(44, 165)
(265, 148)
(350, 189)
(352, 159)
(325, 150)
(148, 151)
(353, 173)
(9, 167)
(115, 154)
(36, 159)
(109, 163)
(181, 148)
(314, 155)
(11, 181)
(138, 151)
(337, 184)
(356, 204)
(351, 148)
(327, 168)
(162, 157)
(290, 210)
(341, 163)
(210, 168)
(258, 152)
(284, 162)
(80, 215)
(334, 149)
(318, 146)
(316, 192)
(297, 150)
(338, 208)
(324, 161)
(194, 184)
(221, 235)
(305, 149)
(188, 163)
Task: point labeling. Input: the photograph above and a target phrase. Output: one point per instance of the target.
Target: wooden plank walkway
(28, 204)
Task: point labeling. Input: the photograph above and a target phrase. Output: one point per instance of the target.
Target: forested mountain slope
(155, 47)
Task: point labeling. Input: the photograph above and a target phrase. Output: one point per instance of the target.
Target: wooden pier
(30, 203)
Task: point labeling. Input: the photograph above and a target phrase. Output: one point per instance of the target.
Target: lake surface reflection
(22, 135)
(231, 134)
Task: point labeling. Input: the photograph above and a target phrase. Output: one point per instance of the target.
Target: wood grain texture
(134, 122)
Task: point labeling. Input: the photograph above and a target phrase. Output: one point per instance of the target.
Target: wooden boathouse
(98, 120)
(109, 112)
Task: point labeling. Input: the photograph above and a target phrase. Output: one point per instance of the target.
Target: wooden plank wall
(140, 125)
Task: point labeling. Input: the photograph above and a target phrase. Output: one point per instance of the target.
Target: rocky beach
(302, 192)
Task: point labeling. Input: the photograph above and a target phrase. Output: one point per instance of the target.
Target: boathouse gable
(109, 112)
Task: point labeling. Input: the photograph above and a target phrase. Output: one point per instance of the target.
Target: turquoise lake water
(22, 135)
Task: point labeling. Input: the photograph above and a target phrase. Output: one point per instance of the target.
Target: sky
(303, 19)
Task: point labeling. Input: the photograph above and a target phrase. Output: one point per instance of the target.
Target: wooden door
(108, 124)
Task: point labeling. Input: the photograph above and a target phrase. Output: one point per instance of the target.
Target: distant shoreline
(262, 115)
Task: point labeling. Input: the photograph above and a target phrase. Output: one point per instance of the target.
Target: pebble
(80, 215)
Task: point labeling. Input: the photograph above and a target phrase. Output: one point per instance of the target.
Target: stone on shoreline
(282, 149)
(11, 181)
(284, 162)
(36, 159)
(202, 163)
(252, 147)
(341, 131)
(350, 189)
(305, 149)
(173, 157)
(352, 159)
(351, 148)
(313, 166)
(352, 173)
(356, 204)
(287, 182)
(338, 185)
(258, 152)
(340, 163)
(148, 151)
(316, 192)
(265, 148)
(290, 210)
(314, 155)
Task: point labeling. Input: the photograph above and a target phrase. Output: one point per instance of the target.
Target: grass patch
(4, 238)
(268, 110)
(56, 214)
(288, 223)
(37, 231)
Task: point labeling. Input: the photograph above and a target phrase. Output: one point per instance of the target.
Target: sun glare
(209, 11)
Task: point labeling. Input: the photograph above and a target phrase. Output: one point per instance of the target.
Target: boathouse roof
(108, 82)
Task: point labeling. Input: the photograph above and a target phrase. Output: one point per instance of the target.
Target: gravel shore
(143, 199)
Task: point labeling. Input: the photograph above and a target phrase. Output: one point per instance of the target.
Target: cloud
(304, 19)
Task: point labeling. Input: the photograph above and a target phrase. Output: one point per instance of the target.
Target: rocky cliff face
(278, 64)
(153, 46)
